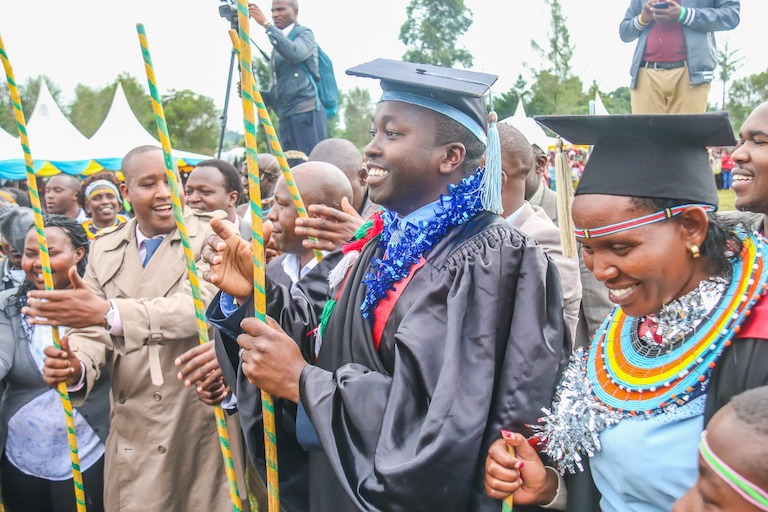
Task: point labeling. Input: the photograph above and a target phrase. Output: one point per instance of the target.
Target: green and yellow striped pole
(45, 260)
(508, 503)
(274, 143)
(189, 256)
(259, 297)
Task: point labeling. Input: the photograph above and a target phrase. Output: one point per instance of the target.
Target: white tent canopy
(599, 107)
(9, 146)
(530, 128)
(57, 146)
(51, 135)
(121, 131)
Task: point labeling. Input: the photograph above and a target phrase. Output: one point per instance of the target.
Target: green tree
(555, 89)
(89, 108)
(29, 92)
(139, 100)
(619, 101)
(560, 50)
(746, 94)
(432, 29)
(727, 62)
(505, 104)
(551, 95)
(358, 109)
(192, 121)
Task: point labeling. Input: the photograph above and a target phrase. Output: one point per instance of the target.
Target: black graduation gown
(475, 343)
(309, 294)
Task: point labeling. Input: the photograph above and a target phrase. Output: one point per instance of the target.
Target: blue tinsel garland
(416, 241)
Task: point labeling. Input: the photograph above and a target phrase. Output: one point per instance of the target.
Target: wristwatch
(110, 316)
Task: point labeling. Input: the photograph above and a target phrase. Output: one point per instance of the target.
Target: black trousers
(24, 493)
(303, 131)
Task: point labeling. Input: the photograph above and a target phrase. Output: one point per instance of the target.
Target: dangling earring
(695, 252)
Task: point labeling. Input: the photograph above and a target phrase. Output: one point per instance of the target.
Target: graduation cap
(455, 93)
(659, 156)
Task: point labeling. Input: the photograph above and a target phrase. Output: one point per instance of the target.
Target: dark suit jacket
(292, 459)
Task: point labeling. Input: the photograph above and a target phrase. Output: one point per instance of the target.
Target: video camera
(228, 11)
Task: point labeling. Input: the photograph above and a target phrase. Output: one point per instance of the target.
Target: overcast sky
(91, 42)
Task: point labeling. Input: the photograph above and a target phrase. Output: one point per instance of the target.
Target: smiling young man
(133, 312)
(61, 197)
(445, 323)
(215, 185)
(750, 174)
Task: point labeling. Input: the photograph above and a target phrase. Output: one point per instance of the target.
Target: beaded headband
(99, 184)
(748, 490)
(664, 214)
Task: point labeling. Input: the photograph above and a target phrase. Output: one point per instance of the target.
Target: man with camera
(675, 57)
(291, 92)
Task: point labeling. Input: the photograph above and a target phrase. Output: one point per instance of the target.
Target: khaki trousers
(668, 91)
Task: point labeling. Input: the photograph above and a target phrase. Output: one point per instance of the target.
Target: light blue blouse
(645, 465)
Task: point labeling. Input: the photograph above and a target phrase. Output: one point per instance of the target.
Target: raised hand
(331, 227)
(78, 306)
(230, 260)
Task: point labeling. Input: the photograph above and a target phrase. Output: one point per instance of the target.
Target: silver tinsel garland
(572, 427)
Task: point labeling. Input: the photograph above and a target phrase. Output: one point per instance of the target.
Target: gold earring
(695, 252)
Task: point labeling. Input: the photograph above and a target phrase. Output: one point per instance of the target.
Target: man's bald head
(318, 183)
(344, 154)
(321, 183)
(517, 165)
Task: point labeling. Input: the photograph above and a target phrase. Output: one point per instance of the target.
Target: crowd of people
(443, 330)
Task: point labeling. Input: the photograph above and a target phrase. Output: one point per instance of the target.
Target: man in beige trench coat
(163, 449)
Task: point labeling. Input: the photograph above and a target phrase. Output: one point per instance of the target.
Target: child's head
(733, 458)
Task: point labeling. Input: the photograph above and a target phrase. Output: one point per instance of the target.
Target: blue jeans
(727, 179)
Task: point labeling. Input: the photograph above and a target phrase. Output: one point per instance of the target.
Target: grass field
(727, 198)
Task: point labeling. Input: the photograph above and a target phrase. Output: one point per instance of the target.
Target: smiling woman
(99, 196)
(36, 467)
(687, 286)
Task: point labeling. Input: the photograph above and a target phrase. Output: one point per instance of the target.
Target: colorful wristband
(641, 22)
(683, 12)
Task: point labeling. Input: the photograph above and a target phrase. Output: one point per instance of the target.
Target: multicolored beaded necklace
(618, 377)
(629, 381)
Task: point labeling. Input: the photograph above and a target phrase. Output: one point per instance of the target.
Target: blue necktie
(151, 245)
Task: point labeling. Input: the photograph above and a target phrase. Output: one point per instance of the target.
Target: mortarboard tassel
(490, 186)
(564, 187)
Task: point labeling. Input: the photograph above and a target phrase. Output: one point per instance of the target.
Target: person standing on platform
(291, 91)
(675, 55)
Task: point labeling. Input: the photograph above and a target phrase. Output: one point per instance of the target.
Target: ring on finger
(240, 353)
